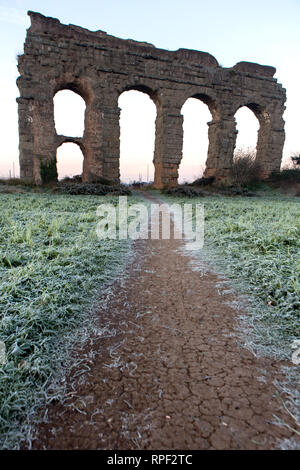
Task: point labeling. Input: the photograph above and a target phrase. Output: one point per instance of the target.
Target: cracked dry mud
(173, 375)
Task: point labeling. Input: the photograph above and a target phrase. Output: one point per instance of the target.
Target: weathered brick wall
(100, 67)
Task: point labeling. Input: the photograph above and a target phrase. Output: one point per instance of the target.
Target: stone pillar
(110, 141)
(26, 138)
(102, 137)
(222, 137)
(92, 162)
(45, 141)
(270, 143)
(168, 146)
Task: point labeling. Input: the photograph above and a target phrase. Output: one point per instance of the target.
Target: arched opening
(69, 160)
(246, 167)
(69, 113)
(137, 139)
(247, 125)
(196, 115)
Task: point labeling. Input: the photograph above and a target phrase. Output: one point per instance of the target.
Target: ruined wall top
(52, 28)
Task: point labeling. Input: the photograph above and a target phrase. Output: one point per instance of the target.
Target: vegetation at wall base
(51, 268)
(287, 174)
(48, 171)
(203, 181)
(184, 191)
(256, 242)
(245, 167)
(92, 189)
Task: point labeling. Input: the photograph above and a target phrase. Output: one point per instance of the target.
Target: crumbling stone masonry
(100, 67)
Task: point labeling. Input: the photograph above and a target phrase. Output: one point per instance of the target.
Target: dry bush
(203, 181)
(290, 175)
(245, 168)
(16, 182)
(184, 191)
(92, 189)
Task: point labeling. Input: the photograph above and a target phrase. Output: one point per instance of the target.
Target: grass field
(255, 242)
(254, 245)
(51, 266)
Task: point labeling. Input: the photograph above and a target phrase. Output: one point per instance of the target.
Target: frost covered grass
(260, 240)
(256, 243)
(51, 268)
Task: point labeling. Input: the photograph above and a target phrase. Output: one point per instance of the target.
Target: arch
(259, 110)
(153, 94)
(247, 127)
(69, 113)
(211, 103)
(62, 139)
(137, 135)
(262, 130)
(207, 97)
(69, 162)
(196, 112)
(78, 86)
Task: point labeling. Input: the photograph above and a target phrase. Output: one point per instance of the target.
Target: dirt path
(173, 375)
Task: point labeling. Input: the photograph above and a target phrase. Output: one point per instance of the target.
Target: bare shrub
(184, 191)
(92, 189)
(203, 181)
(291, 175)
(245, 168)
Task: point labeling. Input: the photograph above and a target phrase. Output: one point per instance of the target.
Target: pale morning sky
(263, 31)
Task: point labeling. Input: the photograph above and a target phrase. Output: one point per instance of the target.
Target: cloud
(12, 15)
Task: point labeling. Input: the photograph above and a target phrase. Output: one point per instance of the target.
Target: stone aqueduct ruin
(100, 67)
